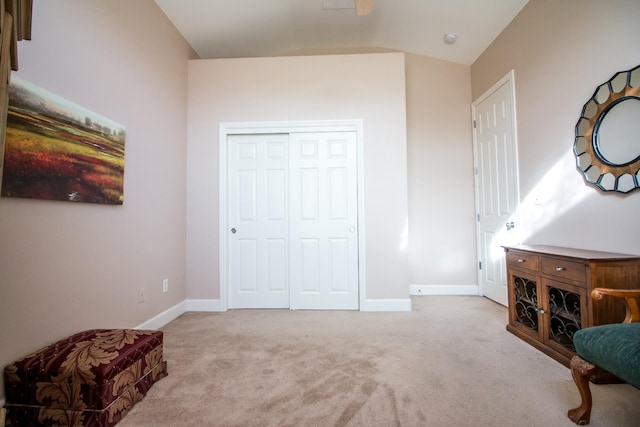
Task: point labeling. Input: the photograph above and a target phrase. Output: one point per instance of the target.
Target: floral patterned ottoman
(92, 378)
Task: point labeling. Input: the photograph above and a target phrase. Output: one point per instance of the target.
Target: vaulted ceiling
(255, 28)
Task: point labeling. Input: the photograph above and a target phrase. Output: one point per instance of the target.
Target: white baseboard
(177, 310)
(386, 305)
(444, 290)
(165, 317)
(214, 305)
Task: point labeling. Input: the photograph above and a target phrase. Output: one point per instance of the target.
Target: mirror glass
(607, 142)
(619, 133)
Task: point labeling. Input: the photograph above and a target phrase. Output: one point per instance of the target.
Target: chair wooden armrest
(630, 299)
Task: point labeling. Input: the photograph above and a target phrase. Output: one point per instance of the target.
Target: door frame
(285, 127)
(509, 79)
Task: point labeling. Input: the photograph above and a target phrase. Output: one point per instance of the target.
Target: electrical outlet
(165, 285)
(140, 296)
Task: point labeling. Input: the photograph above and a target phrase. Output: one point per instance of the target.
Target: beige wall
(368, 87)
(561, 51)
(440, 173)
(65, 267)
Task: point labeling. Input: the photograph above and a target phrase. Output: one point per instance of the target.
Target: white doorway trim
(244, 128)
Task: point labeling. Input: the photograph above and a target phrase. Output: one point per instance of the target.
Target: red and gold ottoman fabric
(92, 378)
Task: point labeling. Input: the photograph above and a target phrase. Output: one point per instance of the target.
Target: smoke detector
(450, 38)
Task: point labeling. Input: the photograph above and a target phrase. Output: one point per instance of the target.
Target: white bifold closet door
(323, 235)
(293, 238)
(259, 221)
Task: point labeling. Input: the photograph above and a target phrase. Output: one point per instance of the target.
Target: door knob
(510, 225)
(233, 230)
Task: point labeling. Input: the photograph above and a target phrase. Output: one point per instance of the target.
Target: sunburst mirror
(607, 143)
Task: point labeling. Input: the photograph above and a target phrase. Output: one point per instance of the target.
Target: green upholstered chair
(607, 350)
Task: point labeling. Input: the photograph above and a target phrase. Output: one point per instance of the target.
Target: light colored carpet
(449, 362)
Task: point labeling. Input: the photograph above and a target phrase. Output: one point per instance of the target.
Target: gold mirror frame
(597, 170)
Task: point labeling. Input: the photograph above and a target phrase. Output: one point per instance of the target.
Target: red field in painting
(47, 157)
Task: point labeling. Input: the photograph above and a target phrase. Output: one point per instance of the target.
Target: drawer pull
(559, 268)
(520, 260)
(542, 311)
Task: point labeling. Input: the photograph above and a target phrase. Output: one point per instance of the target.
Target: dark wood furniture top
(577, 254)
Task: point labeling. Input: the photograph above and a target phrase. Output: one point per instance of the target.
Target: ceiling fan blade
(364, 7)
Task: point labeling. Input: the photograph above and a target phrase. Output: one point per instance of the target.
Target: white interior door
(323, 221)
(292, 216)
(258, 221)
(496, 185)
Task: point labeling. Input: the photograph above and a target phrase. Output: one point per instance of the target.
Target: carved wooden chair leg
(581, 371)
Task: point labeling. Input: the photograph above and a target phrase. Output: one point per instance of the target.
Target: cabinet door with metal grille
(565, 311)
(524, 300)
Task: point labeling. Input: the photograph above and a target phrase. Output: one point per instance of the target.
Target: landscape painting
(58, 150)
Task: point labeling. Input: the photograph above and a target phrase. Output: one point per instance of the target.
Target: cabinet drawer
(522, 260)
(564, 269)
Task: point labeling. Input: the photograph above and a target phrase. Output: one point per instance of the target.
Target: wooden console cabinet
(549, 291)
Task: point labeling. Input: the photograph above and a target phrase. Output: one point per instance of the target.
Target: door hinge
(478, 217)
(479, 265)
(475, 170)
(474, 124)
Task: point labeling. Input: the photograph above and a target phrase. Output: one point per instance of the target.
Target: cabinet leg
(581, 371)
